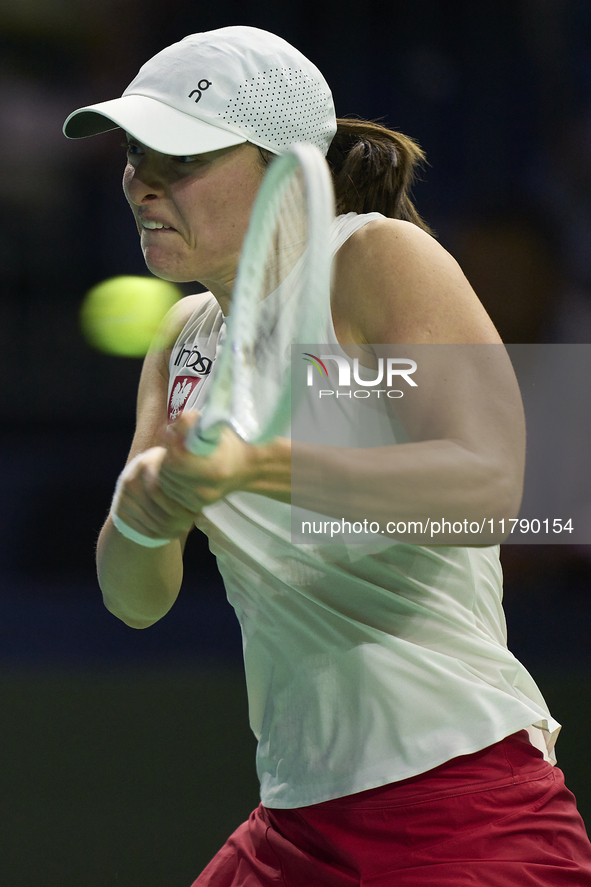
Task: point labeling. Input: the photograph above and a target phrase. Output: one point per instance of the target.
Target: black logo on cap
(203, 85)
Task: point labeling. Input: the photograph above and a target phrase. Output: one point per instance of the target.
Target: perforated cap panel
(285, 104)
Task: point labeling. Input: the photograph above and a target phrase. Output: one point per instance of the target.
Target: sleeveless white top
(365, 663)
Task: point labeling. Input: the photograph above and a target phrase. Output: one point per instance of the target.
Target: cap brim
(154, 124)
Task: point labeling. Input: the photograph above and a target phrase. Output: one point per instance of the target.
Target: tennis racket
(280, 297)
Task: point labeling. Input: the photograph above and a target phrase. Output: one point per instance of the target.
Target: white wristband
(121, 526)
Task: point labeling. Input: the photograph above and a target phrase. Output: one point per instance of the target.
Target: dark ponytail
(374, 169)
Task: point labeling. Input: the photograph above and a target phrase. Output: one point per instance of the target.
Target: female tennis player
(399, 741)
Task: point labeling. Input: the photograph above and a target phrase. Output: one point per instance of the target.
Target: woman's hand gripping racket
(279, 299)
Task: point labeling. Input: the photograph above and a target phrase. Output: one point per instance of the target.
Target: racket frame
(309, 163)
(222, 411)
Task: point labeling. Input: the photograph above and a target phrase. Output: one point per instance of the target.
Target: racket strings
(266, 351)
(283, 268)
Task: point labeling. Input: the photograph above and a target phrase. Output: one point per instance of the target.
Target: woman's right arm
(140, 585)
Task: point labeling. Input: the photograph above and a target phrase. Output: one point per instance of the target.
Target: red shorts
(501, 817)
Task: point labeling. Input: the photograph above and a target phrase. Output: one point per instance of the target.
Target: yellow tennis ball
(121, 315)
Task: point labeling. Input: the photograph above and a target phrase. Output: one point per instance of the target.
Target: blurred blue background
(125, 756)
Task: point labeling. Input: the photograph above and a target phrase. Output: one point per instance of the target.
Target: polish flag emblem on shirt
(181, 391)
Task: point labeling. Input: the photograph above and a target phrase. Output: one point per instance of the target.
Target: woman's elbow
(130, 617)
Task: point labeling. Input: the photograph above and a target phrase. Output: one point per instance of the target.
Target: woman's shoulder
(393, 278)
(374, 235)
(346, 224)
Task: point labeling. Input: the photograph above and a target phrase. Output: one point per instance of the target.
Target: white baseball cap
(216, 89)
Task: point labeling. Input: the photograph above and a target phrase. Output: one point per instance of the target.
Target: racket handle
(203, 441)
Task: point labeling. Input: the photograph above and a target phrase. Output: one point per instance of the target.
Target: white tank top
(365, 664)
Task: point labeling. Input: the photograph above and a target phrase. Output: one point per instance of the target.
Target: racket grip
(202, 442)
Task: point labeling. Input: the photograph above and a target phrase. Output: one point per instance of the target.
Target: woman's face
(203, 201)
